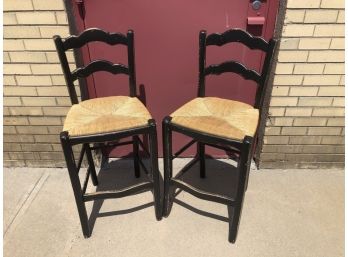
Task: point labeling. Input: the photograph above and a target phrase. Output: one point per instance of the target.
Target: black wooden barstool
(220, 123)
(105, 120)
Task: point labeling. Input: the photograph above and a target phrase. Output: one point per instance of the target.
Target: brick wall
(306, 116)
(305, 128)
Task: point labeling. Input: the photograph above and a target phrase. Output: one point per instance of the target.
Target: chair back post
(66, 69)
(202, 54)
(267, 64)
(131, 64)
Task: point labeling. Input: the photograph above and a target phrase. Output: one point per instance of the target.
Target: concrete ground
(286, 213)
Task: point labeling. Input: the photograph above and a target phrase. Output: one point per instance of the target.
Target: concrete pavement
(286, 213)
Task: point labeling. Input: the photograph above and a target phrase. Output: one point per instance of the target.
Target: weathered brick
(13, 45)
(14, 163)
(9, 130)
(12, 101)
(10, 147)
(332, 112)
(284, 68)
(24, 156)
(297, 30)
(324, 131)
(309, 68)
(309, 121)
(314, 43)
(9, 18)
(39, 44)
(6, 57)
(340, 18)
(334, 68)
(50, 31)
(17, 68)
(283, 101)
(332, 4)
(6, 111)
(29, 57)
(283, 121)
(276, 140)
(61, 18)
(290, 131)
(33, 111)
(303, 4)
(324, 80)
(326, 56)
(276, 111)
(48, 5)
(21, 32)
(303, 91)
(321, 16)
(314, 158)
(31, 18)
(16, 121)
(331, 91)
(33, 130)
(46, 138)
(55, 111)
(45, 121)
(335, 122)
(9, 80)
(52, 156)
(297, 111)
(292, 56)
(38, 101)
(19, 91)
(33, 80)
(289, 43)
(272, 131)
(52, 91)
(46, 69)
(332, 140)
(280, 91)
(294, 16)
(36, 147)
(332, 30)
(338, 101)
(54, 129)
(18, 139)
(285, 80)
(17, 5)
(315, 101)
(337, 43)
(63, 101)
(305, 140)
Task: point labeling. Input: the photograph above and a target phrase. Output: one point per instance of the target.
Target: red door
(166, 48)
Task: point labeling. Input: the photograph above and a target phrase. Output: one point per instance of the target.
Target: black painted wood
(99, 65)
(235, 67)
(237, 35)
(94, 34)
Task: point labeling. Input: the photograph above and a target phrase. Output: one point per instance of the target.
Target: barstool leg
(167, 161)
(155, 170)
(91, 165)
(75, 182)
(136, 156)
(201, 154)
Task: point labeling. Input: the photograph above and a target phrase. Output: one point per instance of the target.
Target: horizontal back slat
(235, 67)
(99, 65)
(237, 35)
(94, 34)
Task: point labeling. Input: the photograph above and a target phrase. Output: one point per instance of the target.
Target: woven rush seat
(106, 114)
(217, 116)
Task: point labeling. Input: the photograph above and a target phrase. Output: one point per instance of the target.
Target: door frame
(280, 17)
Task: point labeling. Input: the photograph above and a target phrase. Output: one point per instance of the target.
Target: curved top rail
(237, 35)
(94, 34)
